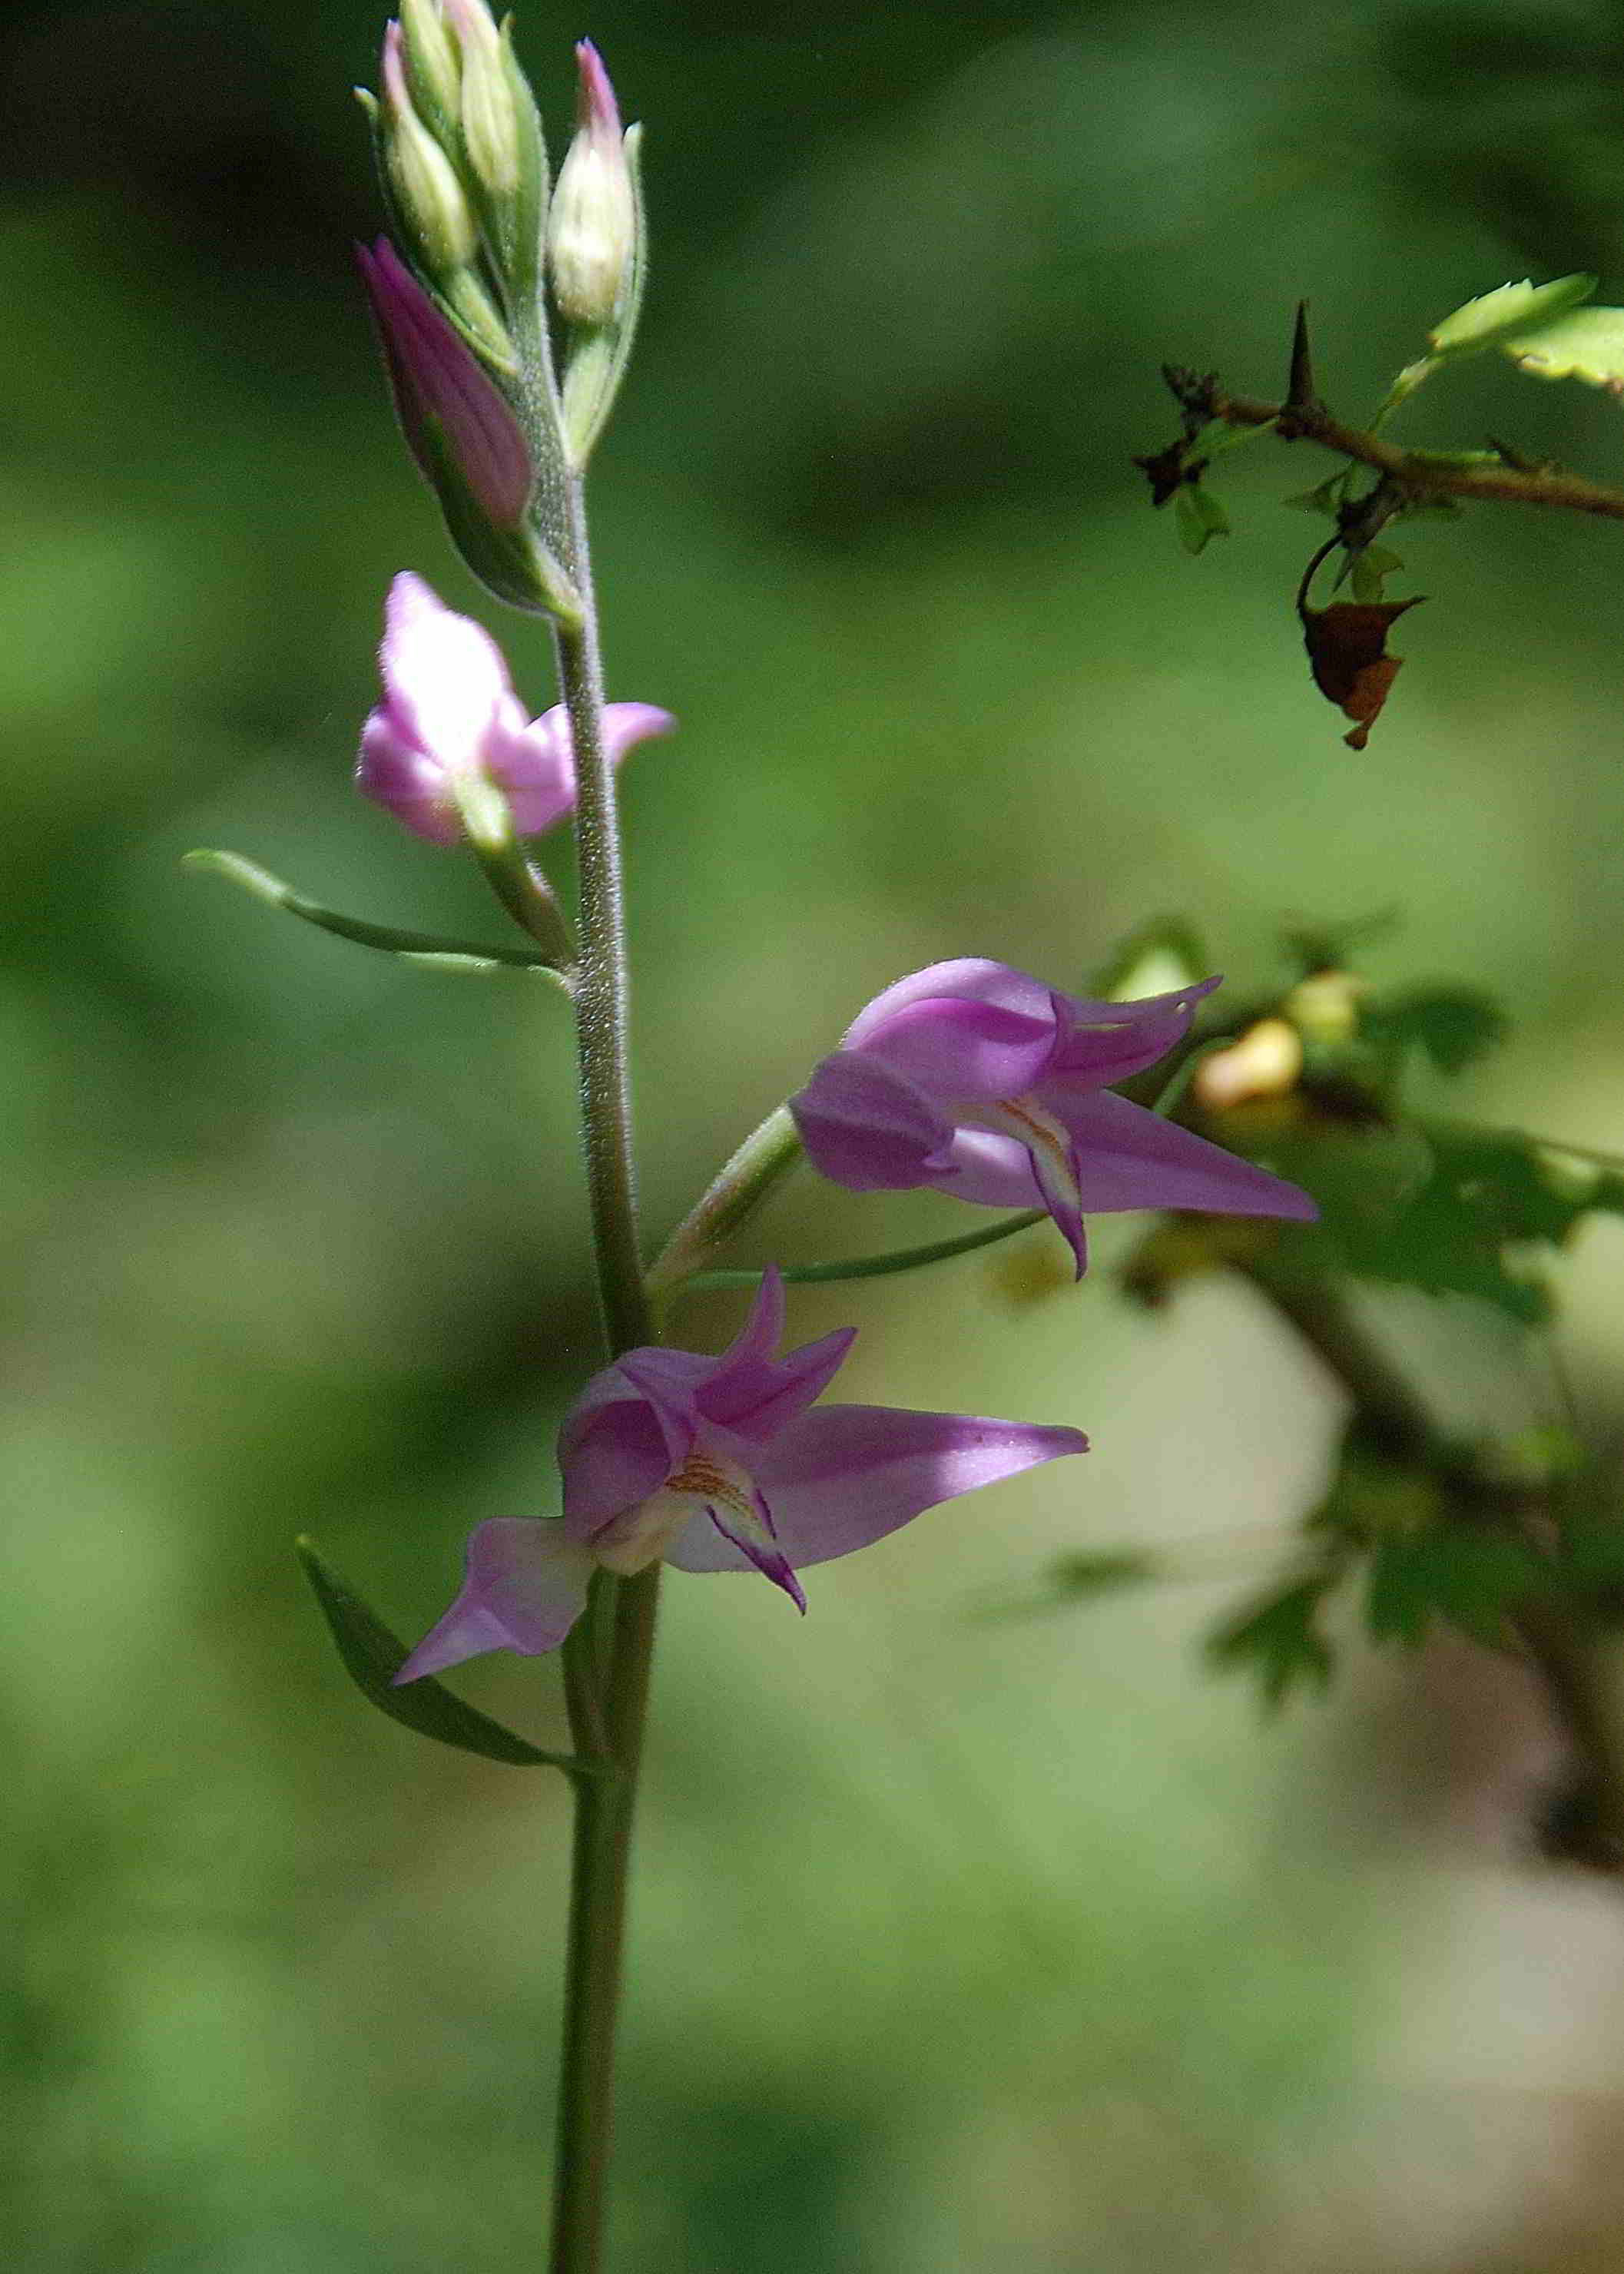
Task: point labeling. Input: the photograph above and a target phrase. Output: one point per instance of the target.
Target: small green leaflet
(1278, 1638)
(1200, 516)
(1372, 565)
(1522, 308)
(1587, 344)
(1488, 321)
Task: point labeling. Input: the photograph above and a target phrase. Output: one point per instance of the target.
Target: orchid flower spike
(991, 1086)
(719, 1465)
(449, 713)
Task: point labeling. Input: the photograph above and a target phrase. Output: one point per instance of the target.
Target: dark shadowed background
(962, 1946)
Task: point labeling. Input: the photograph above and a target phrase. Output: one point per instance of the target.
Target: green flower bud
(426, 191)
(592, 226)
(490, 122)
(432, 72)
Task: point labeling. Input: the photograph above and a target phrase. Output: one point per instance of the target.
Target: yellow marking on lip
(707, 1479)
(1042, 1133)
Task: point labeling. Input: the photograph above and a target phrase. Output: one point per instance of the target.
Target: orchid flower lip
(724, 1463)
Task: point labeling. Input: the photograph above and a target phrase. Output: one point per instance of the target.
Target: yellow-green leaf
(1522, 308)
(1587, 344)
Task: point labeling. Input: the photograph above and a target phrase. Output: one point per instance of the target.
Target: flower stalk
(625, 1608)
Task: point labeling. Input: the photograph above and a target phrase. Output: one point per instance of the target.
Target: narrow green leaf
(1465, 1576)
(373, 1656)
(410, 946)
(1591, 1553)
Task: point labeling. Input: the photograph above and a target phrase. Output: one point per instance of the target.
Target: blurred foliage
(294, 1229)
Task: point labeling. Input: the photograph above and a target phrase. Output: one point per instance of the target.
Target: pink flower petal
(444, 677)
(844, 1476)
(952, 1048)
(974, 978)
(756, 1399)
(1128, 1157)
(990, 1170)
(536, 764)
(1102, 1042)
(396, 774)
(868, 1129)
(524, 1588)
(438, 383)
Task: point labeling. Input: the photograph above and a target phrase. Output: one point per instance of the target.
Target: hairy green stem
(607, 1688)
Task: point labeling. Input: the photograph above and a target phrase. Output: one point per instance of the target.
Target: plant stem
(601, 984)
(607, 1701)
(1416, 471)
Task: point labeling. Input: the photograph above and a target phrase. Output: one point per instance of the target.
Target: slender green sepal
(421, 947)
(373, 1656)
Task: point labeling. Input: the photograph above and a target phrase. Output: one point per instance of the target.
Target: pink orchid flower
(719, 1465)
(991, 1086)
(450, 711)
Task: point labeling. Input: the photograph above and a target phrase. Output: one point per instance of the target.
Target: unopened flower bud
(592, 227)
(487, 109)
(426, 189)
(451, 413)
(432, 72)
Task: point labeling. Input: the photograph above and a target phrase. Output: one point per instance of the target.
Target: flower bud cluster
(487, 264)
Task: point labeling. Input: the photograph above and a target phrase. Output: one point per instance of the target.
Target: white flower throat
(704, 1481)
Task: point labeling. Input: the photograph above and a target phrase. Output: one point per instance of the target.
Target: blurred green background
(959, 1943)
